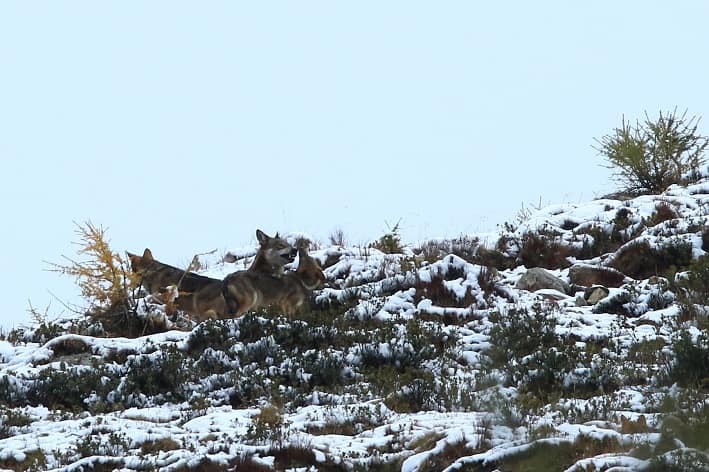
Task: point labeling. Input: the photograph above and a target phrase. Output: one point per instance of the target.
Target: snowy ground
(406, 361)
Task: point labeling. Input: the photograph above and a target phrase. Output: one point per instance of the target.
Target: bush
(543, 249)
(534, 358)
(103, 277)
(641, 260)
(71, 388)
(694, 289)
(165, 372)
(691, 364)
(652, 155)
(390, 242)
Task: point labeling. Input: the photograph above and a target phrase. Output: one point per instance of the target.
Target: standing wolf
(273, 254)
(200, 296)
(156, 276)
(247, 290)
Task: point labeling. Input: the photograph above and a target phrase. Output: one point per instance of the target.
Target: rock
(595, 294)
(580, 301)
(588, 275)
(537, 278)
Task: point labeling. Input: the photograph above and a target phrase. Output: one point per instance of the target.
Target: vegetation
(651, 155)
(102, 275)
(437, 332)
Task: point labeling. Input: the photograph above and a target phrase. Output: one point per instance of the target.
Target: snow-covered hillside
(448, 355)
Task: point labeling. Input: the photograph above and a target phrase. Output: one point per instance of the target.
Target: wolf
(203, 304)
(273, 253)
(156, 276)
(200, 296)
(247, 290)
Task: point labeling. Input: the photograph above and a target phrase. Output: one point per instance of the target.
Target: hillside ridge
(573, 339)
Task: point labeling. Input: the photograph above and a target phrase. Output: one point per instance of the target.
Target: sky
(185, 126)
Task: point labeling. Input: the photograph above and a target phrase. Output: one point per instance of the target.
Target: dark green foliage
(164, 372)
(650, 156)
(527, 350)
(326, 369)
(694, 289)
(251, 327)
(680, 461)
(558, 455)
(420, 393)
(215, 334)
(691, 364)
(67, 389)
(390, 242)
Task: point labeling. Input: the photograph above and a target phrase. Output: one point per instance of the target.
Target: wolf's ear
(147, 254)
(261, 236)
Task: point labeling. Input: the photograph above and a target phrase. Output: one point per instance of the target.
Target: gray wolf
(200, 296)
(156, 276)
(247, 290)
(273, 254)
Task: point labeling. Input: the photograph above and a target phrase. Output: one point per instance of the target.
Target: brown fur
(200, 296)
(273, 254)
(247, 290)
(203, 304)
(156, 276)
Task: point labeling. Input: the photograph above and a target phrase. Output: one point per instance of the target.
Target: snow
(357, 426)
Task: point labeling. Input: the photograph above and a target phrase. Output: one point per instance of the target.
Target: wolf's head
(309, 271)
(275, 251)
(138, 264)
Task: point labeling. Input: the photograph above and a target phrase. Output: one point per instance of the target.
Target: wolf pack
(264, 284)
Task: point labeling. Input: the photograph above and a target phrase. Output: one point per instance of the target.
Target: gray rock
(595, 294)
(537, 278)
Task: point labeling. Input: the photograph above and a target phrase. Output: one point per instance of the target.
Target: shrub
(543, 250)
(534, 358)
(164, 372)
(390, 242)
(694, 289)
(640, 260)
(268, 427)
(103, 277)
(691, 364)
(650, 156)
(69, 389)
(337, 238)
(325, 368)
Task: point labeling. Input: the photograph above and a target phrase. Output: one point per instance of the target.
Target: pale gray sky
(184, 126)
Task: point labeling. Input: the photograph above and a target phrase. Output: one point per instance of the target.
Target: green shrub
(69, 389)
(390, 242)
(694, 289)
(527, 350)
(215, 334)
(691, 364)
(164, 372)
(650, 156)
(325, 369)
